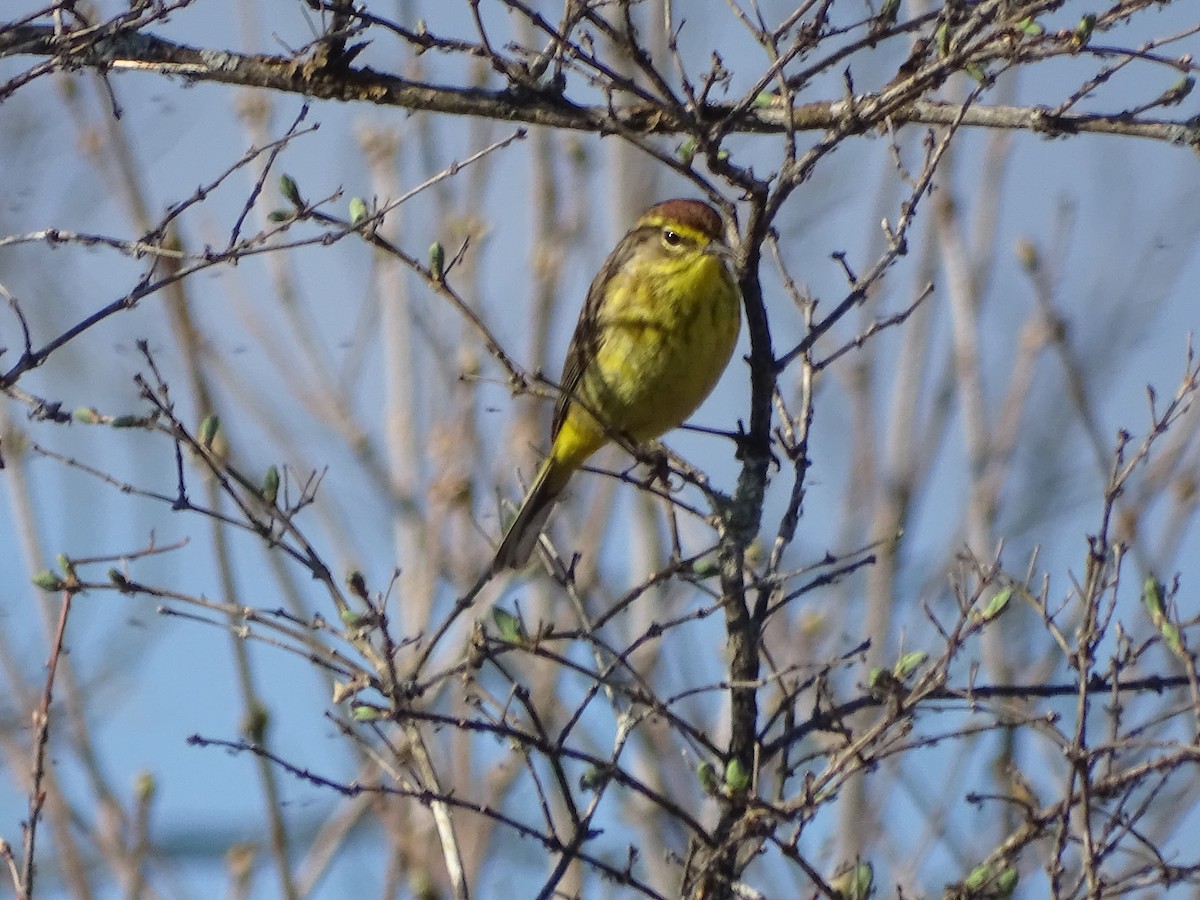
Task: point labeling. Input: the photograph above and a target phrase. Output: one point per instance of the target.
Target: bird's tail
(522, 535)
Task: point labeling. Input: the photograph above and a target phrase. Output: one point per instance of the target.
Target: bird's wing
(585, 342)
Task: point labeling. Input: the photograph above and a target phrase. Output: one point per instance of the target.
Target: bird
(656, 332)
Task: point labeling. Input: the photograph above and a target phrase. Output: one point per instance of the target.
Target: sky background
(1119, 218)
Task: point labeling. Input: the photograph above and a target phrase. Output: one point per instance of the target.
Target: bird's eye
(672, 238)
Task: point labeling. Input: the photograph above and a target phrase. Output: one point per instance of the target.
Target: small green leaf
(358, 211)
(976, 72)
(117, 577)
(279, 215)
(290, 190)
(707, 773)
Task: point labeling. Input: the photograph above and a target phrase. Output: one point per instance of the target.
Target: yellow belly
(662, 347)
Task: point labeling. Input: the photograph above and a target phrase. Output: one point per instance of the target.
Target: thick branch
(314, 77)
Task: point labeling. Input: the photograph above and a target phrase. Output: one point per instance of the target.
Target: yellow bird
(657, 330)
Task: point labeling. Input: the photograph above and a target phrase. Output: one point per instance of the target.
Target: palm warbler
(656, 332)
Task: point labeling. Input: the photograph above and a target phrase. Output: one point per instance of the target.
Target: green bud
(764, 100)
(941, 37)
(290, 190)
(996, 605)
(357, 584)
(510, 626)
(1006, 882)
(366, 713)
(686, 151)
(592, 778)
(706, 567)
(887, 13)
(1031, 27)
(1152, 591)
(48, 581)
(1027, 255)
(86, 415)
(437, 261)
(986, 881)
(978, 879)
(145, 786)
(208, 431)
(737, 777)
(855, 883)
(707, 773)
(976, 72)
(278, 215)
(909, 663)
(1083, 31)
(358, 211)
(120, 581)
(68, 567)
(1152, 599)
(351, 619)
(270, 485)
(1171, 634)
(125, 422)
(255, 723)
(1178, 91)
